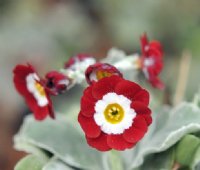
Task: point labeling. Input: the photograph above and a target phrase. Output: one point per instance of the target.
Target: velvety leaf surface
(56, 164)
(159, 161)
(61, 138)
(168, 127)
(30, 162)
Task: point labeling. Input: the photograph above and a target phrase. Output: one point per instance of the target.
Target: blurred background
(47, 32)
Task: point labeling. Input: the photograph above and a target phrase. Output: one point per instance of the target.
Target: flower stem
(183, 76)
(115, 160)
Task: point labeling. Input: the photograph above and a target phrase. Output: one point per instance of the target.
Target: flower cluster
(37, 91)
(114, 112)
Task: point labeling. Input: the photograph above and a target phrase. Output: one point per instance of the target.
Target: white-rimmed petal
(126, 122)
(30, 81)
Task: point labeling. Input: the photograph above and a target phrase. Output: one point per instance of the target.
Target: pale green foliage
(30, 162)
(63, 138)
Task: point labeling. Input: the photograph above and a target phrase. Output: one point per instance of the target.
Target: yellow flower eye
(114, 113)
(102, 74)
(40, 89)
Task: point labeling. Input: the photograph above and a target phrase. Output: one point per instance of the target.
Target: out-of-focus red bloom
(30, 86)
(114, 113)
(56, 82)
(98, 71)
(152, 61)
(75, 62)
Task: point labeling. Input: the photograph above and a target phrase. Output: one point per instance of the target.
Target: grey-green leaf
(30, 162)
(63, 139)
(168, 128)
(56, 164)
(159, 161)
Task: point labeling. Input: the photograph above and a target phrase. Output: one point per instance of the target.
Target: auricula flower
(56, 82)
(114, 113)
(31, 87)
(98, 71)
(152, 61)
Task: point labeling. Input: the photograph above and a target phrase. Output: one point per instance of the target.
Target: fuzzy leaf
(61, 138)
(159, 161)
(168, 128)
(56, 164)
(30, 162)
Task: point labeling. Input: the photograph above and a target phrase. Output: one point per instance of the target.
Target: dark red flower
(75, 62)
(30, 86)
(56, 82)
(152, 61)
(98, 71)
(114, 113)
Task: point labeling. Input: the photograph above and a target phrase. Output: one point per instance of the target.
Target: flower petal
(100, 143)
(91, 129)
(156, 82)
(143, 111)
(136, 131)
(104, 86)
(88, 94)
(87, 107)
(127, 88)
(142, 96)
(118, 142)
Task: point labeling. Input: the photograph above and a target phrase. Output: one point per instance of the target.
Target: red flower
(98, 71)
(151, 61)
(114, 113)
(29, 85)
(75, 62)
(56, 82)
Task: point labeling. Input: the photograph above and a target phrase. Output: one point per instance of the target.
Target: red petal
(142, 96)
(104, 86)
(143, 111)
(88, 93)
(136, 131)
(100, 143)
(144, 42)
(91, 129)
(50, 107)
(127, 88)
(157, 83)
(87, 107)
(118, 142)
(157, 46)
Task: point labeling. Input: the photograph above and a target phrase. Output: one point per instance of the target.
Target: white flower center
(36, 89)
(113, 113)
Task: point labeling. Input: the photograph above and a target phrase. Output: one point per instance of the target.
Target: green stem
(115, 160)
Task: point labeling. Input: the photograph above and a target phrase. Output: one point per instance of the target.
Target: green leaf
(186, 149)
(56, 164)
(196, 160)
(61, 138)
(168, 127)
(30, 162)
(159, 161)
(21, 144)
